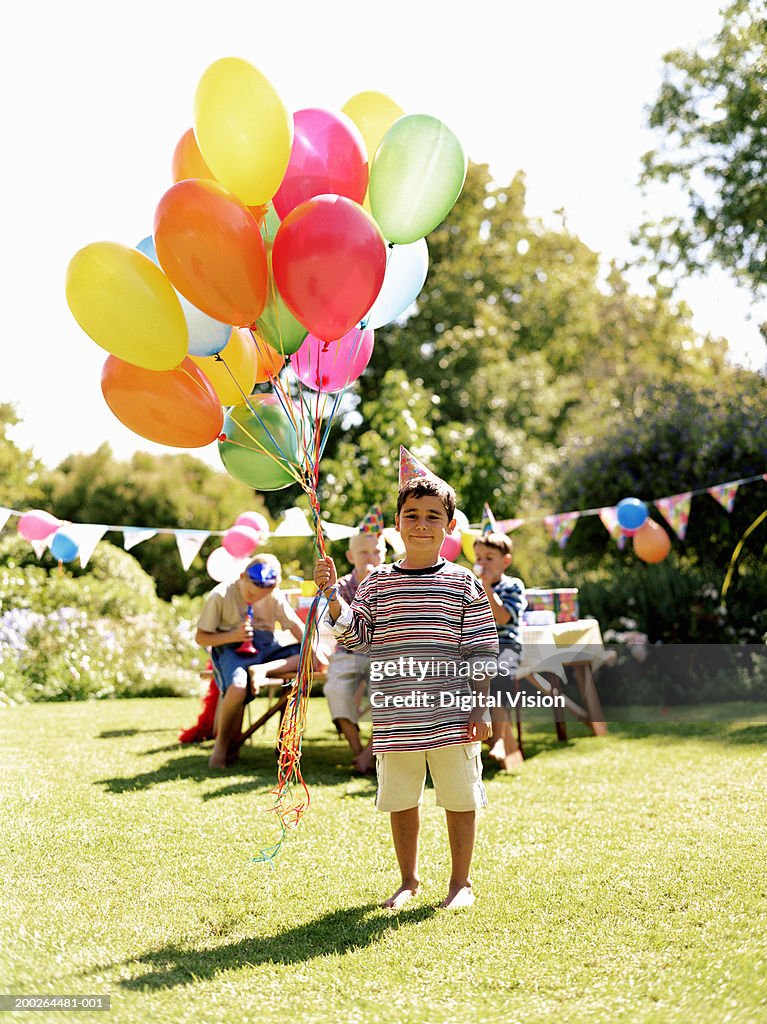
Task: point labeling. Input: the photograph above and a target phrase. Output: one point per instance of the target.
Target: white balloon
(223, 567)
(406, 271)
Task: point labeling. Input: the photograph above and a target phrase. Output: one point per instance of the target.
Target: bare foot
(458, 898)
(257, 677)
(513, 760)
(217, 761)
(364, 761)
(233, 754)
(398, 899)
(498, 750)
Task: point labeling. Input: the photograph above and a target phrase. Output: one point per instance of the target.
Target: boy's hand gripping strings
(326, 578)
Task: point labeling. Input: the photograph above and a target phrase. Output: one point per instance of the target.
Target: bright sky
(97, 95)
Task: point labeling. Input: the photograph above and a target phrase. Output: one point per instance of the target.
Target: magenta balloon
(254, 520)
(241, 541)
(451, 546)
(329, 261)
(331, 365)
(37, 524)
(328, 156)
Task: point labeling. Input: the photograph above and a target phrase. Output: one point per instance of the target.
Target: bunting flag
(609, 517)
(294, 524)
(86, 536)
(488, 524)
(39, 547)
(410, 468)
(561, 525)
(676, 511)
(507, 525)
(725, 494)
(373, 521)
(393, 539)
(133, 535)
(335, 531)
(189, 543)
(5, 515)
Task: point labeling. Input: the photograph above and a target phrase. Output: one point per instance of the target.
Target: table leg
(584, 677)
(559, 715)
(278, 706)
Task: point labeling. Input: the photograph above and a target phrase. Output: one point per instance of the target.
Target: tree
(20, 472)
(172, 491)
(712, 112)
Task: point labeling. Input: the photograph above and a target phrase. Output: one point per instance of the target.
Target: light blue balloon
(206, 335)
(406, 272)
(63, 548)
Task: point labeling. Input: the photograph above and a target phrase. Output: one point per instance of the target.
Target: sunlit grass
(619, 879)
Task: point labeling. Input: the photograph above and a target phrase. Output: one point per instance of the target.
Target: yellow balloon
(467, 543)
(243, 130)
(373, 113)
(238, 356)
(127, 305)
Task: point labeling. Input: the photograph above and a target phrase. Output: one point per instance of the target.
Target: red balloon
(175, 407)
(328, 262)
(328, 156)
(210, 246)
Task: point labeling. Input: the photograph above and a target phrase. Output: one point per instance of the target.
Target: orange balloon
(651, 542)
(234, 374)
(188, 161)
(175, 407)
(210, 247)
(269, 362)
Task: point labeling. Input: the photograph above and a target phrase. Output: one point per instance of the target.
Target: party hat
(410, 468)
(373, 521)
(488, 524)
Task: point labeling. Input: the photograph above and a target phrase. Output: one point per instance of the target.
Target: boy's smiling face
(423, 526)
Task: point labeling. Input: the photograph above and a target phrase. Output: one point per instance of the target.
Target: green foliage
(99, 632)
(712, 113)
(170, 491)
(20, 471)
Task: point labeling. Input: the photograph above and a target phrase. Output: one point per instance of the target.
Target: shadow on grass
(343, 931)
(117, 734)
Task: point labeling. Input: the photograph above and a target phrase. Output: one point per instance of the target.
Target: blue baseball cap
(262, 575)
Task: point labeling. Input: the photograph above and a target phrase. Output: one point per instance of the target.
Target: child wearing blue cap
(234, 616)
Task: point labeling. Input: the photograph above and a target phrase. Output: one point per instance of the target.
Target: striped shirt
(511, 592)
(429, 633)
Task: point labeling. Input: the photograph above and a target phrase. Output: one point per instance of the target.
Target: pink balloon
(331, 365)
(328, 156)
(451, 546)
(241, 541)
(254, 520)
(38, 524)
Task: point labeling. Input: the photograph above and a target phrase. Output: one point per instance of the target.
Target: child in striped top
(427, 627)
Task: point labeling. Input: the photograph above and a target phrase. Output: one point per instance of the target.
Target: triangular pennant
(561, 525)
(294, 524)
(189, 543)
(609, 517)
(133, 535)
(5, 514)
(373, 521)
(86, 536)
(40, 546)
(724, 494)
(410, 468)
(676, 511)
(507, 525)
(488, 524)
(336, 531)
(393, 539)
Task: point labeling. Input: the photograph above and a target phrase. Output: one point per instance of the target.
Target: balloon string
(738, 548)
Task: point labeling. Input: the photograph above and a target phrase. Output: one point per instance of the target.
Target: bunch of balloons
(651, 542)
(238, 545)
(40, 527)
(285, 239)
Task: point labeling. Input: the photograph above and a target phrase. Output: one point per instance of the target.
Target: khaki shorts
(346, 686)
(456, 772)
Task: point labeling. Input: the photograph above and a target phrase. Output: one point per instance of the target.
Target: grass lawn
(619, 879)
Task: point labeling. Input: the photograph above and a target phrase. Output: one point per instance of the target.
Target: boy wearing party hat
(427, 626)
(348, 676)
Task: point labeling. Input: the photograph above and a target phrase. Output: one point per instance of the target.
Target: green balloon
(265, 424)
(416, 176)
(277, 325)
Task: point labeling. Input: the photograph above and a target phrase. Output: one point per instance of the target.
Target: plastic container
(562, 601)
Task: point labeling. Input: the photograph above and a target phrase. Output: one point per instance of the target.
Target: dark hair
(497, 541)
(428, 487)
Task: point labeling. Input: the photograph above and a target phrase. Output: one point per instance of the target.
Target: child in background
(493, 554)
(233, 614)
(349, 674)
